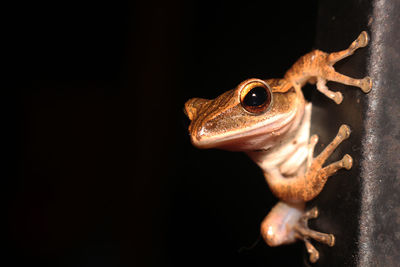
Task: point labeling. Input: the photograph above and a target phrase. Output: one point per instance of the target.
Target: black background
(103, 172)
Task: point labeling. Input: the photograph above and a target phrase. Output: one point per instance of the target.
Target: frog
(270, 121)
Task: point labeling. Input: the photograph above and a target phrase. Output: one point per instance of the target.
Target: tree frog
(270, 121)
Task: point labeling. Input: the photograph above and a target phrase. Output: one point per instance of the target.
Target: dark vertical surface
(339, 23)
(361, 206)
(380, 216)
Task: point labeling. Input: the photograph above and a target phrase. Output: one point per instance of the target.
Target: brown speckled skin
(303, 188)
(211, 119)
(314, 66)
(273, 134)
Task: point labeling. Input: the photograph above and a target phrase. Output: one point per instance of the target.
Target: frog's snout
(193, 105)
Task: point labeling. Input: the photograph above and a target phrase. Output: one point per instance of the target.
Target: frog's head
(245, 118)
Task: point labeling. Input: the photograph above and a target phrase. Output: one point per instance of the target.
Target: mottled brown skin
(317, 66)
(265, 136)
(304, 188)
(214, 121)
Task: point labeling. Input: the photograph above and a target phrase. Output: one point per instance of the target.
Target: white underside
(291, 154)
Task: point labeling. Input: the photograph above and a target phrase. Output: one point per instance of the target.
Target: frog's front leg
(305, 186)
(328, 72)
(287, 222)
(317, 66)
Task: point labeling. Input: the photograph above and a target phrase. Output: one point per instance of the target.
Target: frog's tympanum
(270, 121)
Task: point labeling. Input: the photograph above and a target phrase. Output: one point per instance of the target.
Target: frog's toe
(344, 131)
(366, 84)
(363, 39)
(337, 97)
(347, 162)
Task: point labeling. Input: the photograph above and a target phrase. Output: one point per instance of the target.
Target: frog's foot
(335, 96)
(365, 84)
(343, 134)
(315, 164)
(304, 233)
(329, 73)
(317, 175)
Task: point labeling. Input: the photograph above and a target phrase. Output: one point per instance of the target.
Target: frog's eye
(255, 96)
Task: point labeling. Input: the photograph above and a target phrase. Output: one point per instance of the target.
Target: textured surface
(361, 206)
(380, 168)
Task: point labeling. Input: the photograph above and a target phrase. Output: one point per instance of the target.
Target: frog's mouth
(256, 136)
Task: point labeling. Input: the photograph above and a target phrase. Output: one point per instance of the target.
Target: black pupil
(256, 97)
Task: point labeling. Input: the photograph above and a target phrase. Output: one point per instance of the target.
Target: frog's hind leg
(305, 233)
(318, 175)
(305, 187)
(302, 231)
(343, 134)
(329, 73)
